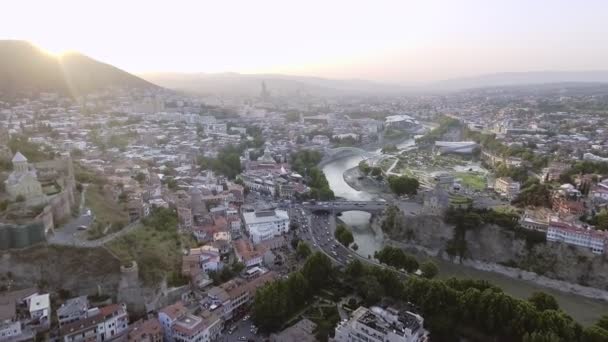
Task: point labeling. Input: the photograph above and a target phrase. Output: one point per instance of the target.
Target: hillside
(277, 84)
(25, 69)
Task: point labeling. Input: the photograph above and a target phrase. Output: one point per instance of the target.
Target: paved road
(66, 236)
(318, 231)
(347, 205)
(241, 333)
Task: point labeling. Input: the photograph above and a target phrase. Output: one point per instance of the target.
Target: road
(242, 332)
(70, 235)
(317, 229)
(347, 205)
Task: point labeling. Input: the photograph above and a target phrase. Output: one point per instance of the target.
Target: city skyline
(392, 42)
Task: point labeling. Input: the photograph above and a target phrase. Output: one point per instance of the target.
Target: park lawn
(105, 211)
(386, 163)
(472, 180)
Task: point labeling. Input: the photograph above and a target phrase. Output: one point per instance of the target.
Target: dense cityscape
(280, 171)
(159, 216)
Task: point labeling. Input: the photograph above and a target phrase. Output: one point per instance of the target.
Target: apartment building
(377, 324)
(104, 324)
(578, 236)
(265, 224)
(507, 187)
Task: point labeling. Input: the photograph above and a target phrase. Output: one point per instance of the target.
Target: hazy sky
(398, 41)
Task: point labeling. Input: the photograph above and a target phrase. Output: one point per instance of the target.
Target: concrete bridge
(330, 154)
(340, 206)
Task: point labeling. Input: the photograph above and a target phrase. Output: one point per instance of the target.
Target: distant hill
(25, 69)
(251, 84)
(522, 78)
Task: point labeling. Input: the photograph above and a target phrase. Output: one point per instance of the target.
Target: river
(583, 309)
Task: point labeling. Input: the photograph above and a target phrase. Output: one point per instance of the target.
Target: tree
(343, 235)
(595, 333)
(375, 171)
(355, 247)
(603, 322)
(303, 251)
(140, 177)
(429, 269)
(396, 257)
(403, 185)
(543, 301)
(317, 270)
(364, 167)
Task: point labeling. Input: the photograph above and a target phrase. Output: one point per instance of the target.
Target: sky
(398, 41)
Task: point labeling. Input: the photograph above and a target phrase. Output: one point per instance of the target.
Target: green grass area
(460, 200)
(472, 180)
(106, 211)
(386, 163)
(156, 247)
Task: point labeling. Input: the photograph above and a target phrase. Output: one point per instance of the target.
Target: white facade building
(377, 324)
(265, 224)
(573, 235)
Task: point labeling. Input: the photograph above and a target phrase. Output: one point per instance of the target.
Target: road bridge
(341, 206)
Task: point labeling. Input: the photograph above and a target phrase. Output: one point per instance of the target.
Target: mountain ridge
(26, 69)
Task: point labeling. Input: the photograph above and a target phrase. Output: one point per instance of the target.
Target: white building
(400, 122)
(578, 236)
(594, 158)
(464, 147)
(40, 308)
(101, 324)
(10, 330)
(265, 224)
(377, 324)
(181, 326)
(320, 140)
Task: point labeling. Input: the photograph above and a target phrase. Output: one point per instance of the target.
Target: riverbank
(343, 181)
(355, 179)
(518, 283)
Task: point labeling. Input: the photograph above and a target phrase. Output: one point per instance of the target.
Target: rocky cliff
(79, 270)
(496, 245)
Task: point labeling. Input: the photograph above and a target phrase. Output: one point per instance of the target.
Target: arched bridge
(331, 154)
(340, 206)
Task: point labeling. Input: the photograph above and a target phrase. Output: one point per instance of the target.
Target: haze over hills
(522, 78)
(277, 84)
(24, 69)
(250, 84)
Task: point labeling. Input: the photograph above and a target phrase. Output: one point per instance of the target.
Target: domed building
(23, 182)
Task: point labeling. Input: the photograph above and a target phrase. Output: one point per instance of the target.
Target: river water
(584, 310)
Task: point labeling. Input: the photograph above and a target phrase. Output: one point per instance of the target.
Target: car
(246, 318)
(82, 227)
(242, 338)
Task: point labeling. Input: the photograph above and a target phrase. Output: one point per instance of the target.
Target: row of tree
(452, 308)
(305, 163)
(397, 258)
(483, 311)
(278, 301)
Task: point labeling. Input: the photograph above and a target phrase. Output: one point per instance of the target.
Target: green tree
(317, 270)
(429, 269)
(403, 185)
(303, 251)
(364, 167)
(543, 301)
(343, 235)
(595, 333)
